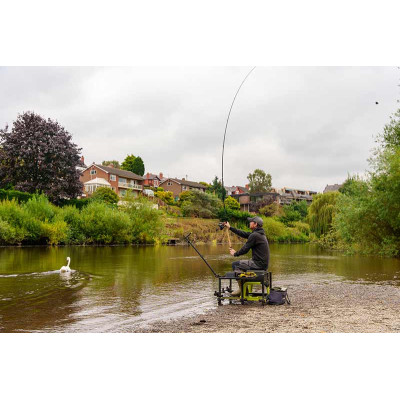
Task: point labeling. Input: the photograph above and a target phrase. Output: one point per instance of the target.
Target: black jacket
(257, 241)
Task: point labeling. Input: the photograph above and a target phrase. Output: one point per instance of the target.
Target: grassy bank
(205, 230)
(39, 222)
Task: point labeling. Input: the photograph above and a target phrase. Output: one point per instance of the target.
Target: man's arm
(247, 246)
(240, 233)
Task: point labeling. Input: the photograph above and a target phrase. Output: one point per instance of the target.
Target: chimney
(148, 175)
(183, 179)
(83, 160)
(161, 175)
(247, 186)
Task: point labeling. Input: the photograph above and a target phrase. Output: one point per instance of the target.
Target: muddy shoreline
(339, 306)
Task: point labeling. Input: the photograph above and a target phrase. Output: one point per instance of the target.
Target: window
(155, 182)
(169, 184)
(183, 187)
(122, 192)
(122, 180)
(113, 177)
(93, 172)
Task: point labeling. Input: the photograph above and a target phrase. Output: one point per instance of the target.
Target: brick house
(152, 180)
(119, 180)
(252, 202)
(177, 186)
(230, 190)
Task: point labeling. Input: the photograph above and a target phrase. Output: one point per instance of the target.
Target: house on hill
(332, 188)
(230, 190)
(119, 180)
(252, 202)
(152, 180)
(177, 186)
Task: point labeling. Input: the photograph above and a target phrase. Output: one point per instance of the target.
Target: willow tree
(321, 212)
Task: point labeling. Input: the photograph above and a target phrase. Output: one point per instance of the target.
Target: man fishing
(257, 242)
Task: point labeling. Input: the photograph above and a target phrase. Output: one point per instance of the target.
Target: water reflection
(120, 288)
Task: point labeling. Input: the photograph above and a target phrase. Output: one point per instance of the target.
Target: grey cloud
(307, 126)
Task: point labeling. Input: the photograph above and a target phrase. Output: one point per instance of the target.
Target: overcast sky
(306, 126)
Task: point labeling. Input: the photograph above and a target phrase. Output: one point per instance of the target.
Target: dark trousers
(246, 265)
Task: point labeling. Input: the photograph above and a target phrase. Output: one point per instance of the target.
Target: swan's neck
(69, 260)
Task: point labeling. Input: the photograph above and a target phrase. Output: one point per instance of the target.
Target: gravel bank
(331, 306)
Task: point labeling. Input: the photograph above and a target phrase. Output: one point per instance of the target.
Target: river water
(122, 289)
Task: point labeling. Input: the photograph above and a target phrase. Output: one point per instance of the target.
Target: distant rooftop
(332, 188)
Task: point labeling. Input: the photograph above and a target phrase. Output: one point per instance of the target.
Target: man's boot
(239, 291)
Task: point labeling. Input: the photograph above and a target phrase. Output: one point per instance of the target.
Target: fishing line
(226, 127)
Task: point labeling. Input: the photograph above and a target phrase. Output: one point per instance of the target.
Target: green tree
(127, 164)
(106, 195)
(133, 164)
(111, 163)
(138, 166)
(296, 211)
(321, 212)
(201, 204)
(232, 203)
(216, 188)
(259, 181)
(368, 213)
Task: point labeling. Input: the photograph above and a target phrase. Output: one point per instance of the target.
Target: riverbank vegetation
(364, 216)
(34, 220)
(38, 221)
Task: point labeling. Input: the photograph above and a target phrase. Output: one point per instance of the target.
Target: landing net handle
(208, 265)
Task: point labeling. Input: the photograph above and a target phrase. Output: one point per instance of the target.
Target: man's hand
(232, 251)
(227, 224)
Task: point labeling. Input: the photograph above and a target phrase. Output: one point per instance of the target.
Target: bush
(276, 231)
(232, 203)
(105, 195)
(72, 216)
(167, 197)
(186, 195)
(9, 234)
(78, 203)
(39, 208)
(271, 210)
(102, 224)
(145, 221)
(234, 216)
(13, 221)
(302, 227)
(296, 211)
(55, 233)
(15, 194)
(201, 204)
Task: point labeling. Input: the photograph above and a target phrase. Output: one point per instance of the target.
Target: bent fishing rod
(223, 188)
(226, 127)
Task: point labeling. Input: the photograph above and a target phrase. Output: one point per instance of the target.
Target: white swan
(66, 268)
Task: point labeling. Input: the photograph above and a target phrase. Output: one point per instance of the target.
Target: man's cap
(257, 220)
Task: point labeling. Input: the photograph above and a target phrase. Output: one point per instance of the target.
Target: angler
(257, 242)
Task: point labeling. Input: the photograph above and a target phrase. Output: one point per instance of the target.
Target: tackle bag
(278, 296)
